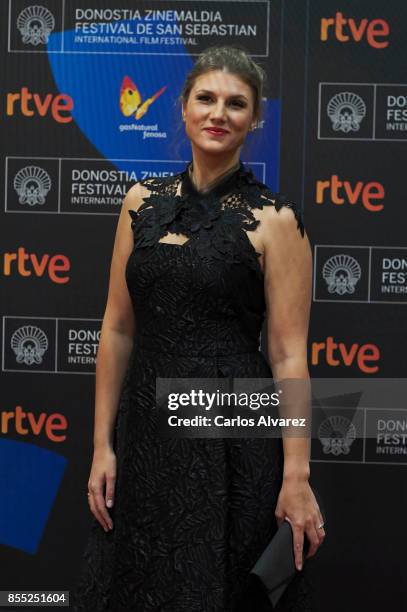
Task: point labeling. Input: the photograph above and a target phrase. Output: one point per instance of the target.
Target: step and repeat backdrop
(89, 106)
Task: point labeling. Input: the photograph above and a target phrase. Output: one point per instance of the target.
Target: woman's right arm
(115, 345)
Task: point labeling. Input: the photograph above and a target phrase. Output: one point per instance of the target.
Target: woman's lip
(215, 131)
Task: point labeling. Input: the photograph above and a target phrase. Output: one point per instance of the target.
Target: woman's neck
(207, 179)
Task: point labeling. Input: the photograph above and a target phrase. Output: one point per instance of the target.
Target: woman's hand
(297, 504)
(103, 472)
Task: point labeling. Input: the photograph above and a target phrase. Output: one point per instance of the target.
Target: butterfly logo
(130, 99)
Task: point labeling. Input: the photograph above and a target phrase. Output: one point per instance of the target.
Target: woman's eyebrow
(208, 91)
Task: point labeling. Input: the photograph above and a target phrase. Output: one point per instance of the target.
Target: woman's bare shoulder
(141, 190)
(138, 193)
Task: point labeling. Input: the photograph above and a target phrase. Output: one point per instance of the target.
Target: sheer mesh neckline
(220, 187)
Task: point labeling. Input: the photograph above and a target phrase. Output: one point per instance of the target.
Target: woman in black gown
(200, 258)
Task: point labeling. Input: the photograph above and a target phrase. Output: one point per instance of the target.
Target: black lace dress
(191, 516)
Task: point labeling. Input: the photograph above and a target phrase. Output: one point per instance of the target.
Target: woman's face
(222, 101)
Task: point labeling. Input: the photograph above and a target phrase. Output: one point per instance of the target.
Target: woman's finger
(321, 533)
(320, 530)
(98, 505)
(314, 540)
(101, 508)
(96, 512)
(110, 484)
(298, 544)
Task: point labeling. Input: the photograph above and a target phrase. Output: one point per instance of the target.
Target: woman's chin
(213, 147)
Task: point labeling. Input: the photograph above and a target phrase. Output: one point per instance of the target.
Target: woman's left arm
(287, 285)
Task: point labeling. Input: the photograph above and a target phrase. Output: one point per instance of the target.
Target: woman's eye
(234, 102)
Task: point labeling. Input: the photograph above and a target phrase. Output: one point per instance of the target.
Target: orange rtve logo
(27, 423)
(30, 104)
(343, 192)
(346, 29)
(365, 356)
(28, 264)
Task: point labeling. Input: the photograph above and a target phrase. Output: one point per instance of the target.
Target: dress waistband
(217, 351)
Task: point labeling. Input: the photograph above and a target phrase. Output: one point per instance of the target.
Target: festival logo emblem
(29, 344)
(130, 99)
(346, 111)
(35, 24)
(341, 274)
(32, 185)
(336, 434)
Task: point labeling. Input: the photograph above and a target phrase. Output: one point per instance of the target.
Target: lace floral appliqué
(216, 223)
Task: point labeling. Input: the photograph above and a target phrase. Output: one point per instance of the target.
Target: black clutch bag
(276, 566)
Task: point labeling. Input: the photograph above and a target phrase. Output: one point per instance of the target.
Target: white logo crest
(336, 434)
(346, 111)
(341, 274)
(29, 343)
(35, 24)
(32, 185)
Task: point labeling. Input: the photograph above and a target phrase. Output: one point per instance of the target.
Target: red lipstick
(216, 131)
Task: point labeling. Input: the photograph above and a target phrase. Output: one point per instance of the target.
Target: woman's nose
(218, 111)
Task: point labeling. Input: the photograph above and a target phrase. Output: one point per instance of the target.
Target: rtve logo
(346, 29)
(30, 104)
(365, 356)
(24, 423)
(29, 264)
(369, 195)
